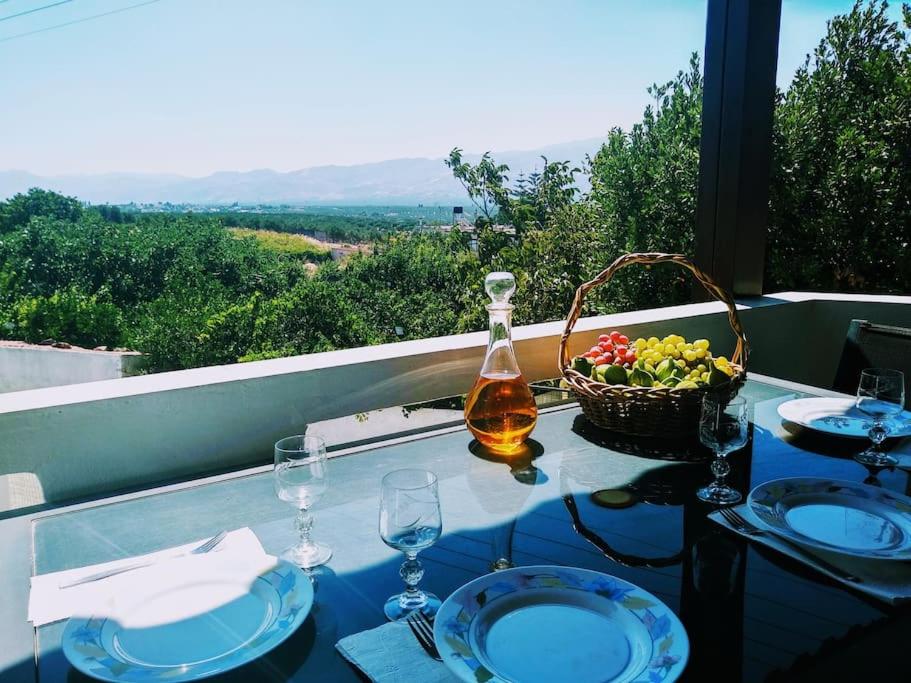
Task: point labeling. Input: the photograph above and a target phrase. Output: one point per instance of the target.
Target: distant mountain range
(398, 181)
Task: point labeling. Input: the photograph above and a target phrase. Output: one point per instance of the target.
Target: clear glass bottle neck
(500, 360)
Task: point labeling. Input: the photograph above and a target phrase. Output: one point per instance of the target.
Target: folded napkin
(391, 654)
(48, 602)
(886, 580)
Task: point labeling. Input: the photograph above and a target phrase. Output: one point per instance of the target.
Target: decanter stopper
(500, 287)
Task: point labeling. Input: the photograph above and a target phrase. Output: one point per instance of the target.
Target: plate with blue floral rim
(195, 624)
(843, 517)
(838, 416)
(551, 623)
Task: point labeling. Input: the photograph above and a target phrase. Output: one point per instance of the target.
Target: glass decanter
(500, 410)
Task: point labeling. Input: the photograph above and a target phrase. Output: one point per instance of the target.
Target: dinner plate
(838, 516)
(190, 626)
(548, 623)
(838, 416)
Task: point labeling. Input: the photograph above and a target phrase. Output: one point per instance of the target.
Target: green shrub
(68, 315)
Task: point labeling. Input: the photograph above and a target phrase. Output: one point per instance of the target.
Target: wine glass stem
(303, 523)
(877, 433)
(720, 468)
(411, 572)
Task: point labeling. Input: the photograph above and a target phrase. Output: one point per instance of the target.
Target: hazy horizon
(466, 153)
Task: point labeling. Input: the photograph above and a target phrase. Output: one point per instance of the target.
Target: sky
(197, 86)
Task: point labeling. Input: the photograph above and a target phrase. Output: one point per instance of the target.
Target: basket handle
(741, 351)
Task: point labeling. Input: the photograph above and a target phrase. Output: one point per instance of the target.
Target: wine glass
(410, 521)
(300, 478)
(723, 427)
(881, 395)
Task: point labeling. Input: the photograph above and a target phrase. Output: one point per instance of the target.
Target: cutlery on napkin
(50, 601)
(390, 654)
(886, 580)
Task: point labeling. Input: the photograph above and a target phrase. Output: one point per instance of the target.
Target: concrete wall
(88, 439)
(35, 367)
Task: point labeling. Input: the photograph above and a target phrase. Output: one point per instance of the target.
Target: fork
(423, 631)
(740, 524)
(200, 550)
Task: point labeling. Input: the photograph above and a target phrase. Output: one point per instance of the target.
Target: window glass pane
(282, 178)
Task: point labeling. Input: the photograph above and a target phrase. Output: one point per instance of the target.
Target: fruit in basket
(583, 365)
(639, 377)
(671, 362)
(615, 374)
(613, 349)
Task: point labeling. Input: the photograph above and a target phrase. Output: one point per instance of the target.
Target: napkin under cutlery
(48, 602)
(886, 580)
(390, 654)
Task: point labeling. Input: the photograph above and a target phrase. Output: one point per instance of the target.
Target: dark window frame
(741, 61)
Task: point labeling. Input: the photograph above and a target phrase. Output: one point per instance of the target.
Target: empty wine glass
(410, 521)
(881, 395)
(723, 427)
(300, 478)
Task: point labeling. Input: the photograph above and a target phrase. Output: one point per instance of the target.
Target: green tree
(840, 206)
(17, 211)
(644, 183)
(70, 315)
(530, 203)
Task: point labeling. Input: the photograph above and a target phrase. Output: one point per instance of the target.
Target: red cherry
(624, 339)
(618, 361)
(621, 349)
(607, 346)
(595, 350)
(615, 336)
(609, 355)
(601, 360)
(603, 338)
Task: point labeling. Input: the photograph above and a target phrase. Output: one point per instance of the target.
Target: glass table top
(750, 613)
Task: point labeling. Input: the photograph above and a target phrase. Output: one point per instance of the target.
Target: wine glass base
(718, 495)
(396, 611)
(309, 556)
(875, 459)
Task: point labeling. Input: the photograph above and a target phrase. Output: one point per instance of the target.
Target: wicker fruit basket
(662, 412)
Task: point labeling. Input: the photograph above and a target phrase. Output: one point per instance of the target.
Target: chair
(868, 345)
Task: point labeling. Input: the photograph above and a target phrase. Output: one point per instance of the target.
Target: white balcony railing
(83, 440)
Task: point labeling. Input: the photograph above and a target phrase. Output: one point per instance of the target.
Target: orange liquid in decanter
(500, 411)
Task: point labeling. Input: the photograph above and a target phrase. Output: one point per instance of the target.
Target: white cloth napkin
(391, 654)
(48, 602)
(886, 580)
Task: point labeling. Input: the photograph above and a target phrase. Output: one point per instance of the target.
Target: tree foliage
(840, 209)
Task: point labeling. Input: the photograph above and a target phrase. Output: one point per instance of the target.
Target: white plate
(190, 625)
(839, 516)
(838, 416)
(550, 623)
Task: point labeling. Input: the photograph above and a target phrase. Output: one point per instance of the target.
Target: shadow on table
(675, 450)
(840, 448)
(20, 672)
(520, 462)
